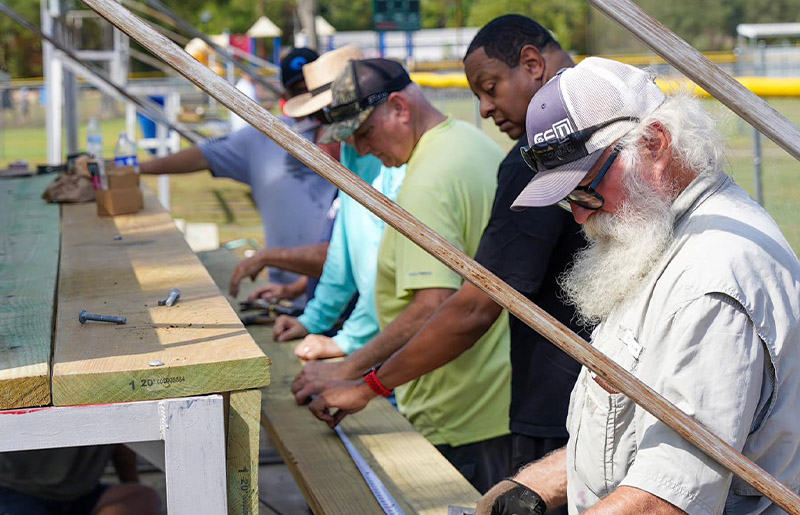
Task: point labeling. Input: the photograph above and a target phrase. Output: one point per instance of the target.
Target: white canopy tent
(264, 28)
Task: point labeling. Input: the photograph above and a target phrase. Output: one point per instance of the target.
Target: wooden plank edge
(292, 464)
(25, 392)
(160, 382)
(242, 451)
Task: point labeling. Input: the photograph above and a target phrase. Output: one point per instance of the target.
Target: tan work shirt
(717, 332)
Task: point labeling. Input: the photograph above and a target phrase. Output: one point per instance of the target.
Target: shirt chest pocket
(602, 427)
(605, 439)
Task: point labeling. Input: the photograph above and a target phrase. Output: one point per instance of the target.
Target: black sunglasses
(587, 196)
(352, 109)
(553, 153)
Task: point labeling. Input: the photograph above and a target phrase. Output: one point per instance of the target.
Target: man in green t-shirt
(462, 407)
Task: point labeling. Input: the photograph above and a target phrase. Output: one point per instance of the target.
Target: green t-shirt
(450, 184)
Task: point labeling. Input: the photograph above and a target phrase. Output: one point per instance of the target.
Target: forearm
(297, 288)
(452, 330)
(398, 333)
(307, 260)
(548, 478)
(185, 161)
(628, 500)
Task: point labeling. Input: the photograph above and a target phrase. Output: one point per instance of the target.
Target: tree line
(706, 24)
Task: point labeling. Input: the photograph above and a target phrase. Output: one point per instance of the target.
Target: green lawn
(201, 198)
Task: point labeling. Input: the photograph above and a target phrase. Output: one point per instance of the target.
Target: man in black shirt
(507, 62)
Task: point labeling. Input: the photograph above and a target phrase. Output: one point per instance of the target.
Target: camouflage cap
(357, 91)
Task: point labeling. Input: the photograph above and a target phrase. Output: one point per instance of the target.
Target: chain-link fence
(22, 121)
(779, 186)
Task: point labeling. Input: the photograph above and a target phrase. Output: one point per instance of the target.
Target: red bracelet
(375, 385)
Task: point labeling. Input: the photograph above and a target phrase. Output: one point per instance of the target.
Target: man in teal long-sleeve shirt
(350, 268)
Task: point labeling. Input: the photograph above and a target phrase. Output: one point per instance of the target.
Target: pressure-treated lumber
(202, 344)
(28, 271)
(241, 460)
(418, 476)
(407, 225)
(420, 479)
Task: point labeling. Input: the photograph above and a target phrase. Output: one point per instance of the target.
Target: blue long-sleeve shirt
(350, 265)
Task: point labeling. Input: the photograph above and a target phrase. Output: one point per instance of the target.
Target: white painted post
(54, 81)
(190, 431)
(168, 143)
(162, 151)
(130, 121)
(172, 106)
(194, 451)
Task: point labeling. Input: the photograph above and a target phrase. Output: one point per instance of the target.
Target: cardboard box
(123, 195)
(122, 177)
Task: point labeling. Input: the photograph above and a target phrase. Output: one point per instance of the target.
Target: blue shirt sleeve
(228, 156)
(361, 326)
(336, 286)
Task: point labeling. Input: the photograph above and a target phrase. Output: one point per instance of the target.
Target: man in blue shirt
(350, 263)
(291, 198)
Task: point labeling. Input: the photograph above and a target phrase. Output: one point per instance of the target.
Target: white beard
(623, 248)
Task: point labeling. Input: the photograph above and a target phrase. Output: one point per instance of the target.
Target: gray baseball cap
(573, 118)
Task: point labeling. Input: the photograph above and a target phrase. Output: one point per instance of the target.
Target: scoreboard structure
(400, 15)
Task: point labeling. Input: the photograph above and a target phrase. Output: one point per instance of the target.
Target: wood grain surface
(202, 344)
(417, 475)
(241, 458)
(29, 246)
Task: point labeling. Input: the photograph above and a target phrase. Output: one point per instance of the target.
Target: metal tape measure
(376, 486)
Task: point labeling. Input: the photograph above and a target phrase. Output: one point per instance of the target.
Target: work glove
(508, 497)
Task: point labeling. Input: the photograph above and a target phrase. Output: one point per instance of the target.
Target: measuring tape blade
(376, 486)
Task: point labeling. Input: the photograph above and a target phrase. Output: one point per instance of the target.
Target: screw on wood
(84, 316)
(174, 295)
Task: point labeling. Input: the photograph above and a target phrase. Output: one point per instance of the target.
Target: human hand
(509, 497)
(313, 378)
(249, 267)
(348, 396)
(316, 346)
(288, 328)
(270, 293)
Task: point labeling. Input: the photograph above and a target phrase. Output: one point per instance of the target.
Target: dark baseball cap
(357, 90)
(292, 65)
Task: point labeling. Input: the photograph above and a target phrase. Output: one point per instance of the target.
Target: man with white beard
(696, 292)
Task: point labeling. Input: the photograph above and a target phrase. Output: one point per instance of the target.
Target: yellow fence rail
(761, 86)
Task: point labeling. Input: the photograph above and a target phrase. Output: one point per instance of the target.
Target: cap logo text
(559, 131)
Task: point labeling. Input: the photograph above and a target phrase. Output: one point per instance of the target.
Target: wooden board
(418, 476)
(242, 451)
(202, 344)
(28, 270)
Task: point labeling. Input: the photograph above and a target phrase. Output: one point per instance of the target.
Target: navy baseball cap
(292, 65)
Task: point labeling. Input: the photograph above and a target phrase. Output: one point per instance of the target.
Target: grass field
(200, 198)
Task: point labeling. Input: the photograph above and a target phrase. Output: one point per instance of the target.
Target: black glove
(520, 500)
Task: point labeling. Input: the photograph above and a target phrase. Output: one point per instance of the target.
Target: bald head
(395, 126)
